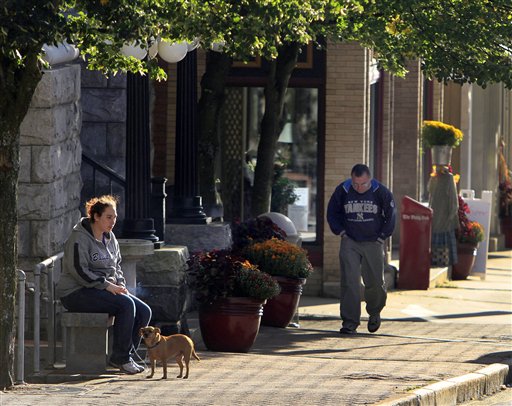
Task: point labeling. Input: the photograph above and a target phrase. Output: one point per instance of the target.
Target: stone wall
(50, 155)
(103, 134)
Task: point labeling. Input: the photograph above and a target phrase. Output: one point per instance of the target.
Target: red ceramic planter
(230, 324)
(279, 311)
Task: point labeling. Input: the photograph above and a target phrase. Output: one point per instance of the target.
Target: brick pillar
(408, 94)
(346, 130)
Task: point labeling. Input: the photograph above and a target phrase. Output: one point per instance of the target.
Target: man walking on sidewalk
(362, 211)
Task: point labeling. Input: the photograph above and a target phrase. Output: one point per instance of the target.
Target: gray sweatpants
(358, 259)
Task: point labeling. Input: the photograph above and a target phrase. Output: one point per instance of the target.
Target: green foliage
(283, 190)
(457, 40)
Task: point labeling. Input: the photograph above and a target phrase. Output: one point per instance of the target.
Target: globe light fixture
(172, 53)
(61, 53)
(133, 49)
(192, 45)
(153, 48)
(218, 46)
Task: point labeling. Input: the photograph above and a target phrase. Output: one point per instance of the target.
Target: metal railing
(20, 369)
(45, 267)
(112, 176)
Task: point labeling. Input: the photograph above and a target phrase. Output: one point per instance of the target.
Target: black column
(137, 223)
(187, 206)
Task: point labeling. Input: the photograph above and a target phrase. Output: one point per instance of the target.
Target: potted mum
(469, 235)
(231, 292)
(254, 230)
(441, 138)
(290, 267)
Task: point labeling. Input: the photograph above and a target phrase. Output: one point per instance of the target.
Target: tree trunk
(213, 84)
(275, 90)
(16, 88)
(9, 168)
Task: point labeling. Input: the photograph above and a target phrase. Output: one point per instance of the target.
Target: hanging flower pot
(230, 324)
(279, 311)
(441, 154)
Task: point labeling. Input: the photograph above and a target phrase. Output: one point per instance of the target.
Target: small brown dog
(163, 347)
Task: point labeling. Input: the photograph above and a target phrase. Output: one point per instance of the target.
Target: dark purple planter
(506, 229)
(466, 254)
(279, 311)
(231, 324)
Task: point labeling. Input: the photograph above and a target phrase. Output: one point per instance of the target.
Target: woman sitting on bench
(92, 280)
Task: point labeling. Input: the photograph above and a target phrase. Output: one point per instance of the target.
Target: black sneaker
(374, 323)
(346, 330)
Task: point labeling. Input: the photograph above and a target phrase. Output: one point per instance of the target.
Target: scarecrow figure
(444, 203)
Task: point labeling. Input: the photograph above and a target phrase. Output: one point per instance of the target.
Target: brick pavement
(310, 365)
(409, 361)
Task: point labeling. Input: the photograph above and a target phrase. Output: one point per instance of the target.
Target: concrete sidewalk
(457, 346)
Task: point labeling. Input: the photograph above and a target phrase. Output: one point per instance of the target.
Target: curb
(453, 391)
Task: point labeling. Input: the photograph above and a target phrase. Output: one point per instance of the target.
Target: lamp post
(187, 206)
(137, 223)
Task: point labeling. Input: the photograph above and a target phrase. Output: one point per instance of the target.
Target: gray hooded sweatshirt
(88, 262)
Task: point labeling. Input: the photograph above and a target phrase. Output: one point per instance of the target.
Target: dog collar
(153, 346)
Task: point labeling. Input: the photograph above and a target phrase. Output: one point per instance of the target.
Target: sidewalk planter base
(230, 324)
(506, 229)
(466, 253)
(279, 311)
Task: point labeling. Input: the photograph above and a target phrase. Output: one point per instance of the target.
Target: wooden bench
(86, 341)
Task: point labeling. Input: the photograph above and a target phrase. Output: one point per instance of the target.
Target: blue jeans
(130, 315)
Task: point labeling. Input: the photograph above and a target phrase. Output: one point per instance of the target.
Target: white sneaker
(138, 366)
(130, 368)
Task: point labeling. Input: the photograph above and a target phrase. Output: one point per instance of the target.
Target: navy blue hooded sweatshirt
(368, 216)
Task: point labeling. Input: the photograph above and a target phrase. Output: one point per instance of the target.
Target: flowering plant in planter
(504, 184)
(220, 274)
(279, 258)
(505, 197)
(469, 231)
(439, 133)
(254, 230)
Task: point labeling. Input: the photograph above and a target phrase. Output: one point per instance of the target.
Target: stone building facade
(50, 154)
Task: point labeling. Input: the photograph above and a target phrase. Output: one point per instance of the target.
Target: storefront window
(296, 156)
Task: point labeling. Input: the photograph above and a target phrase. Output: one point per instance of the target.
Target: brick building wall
(387, 129)
(408, 107)
(346, 129)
